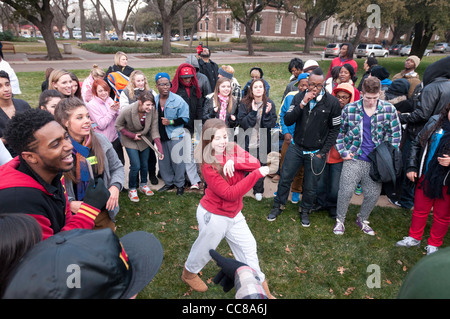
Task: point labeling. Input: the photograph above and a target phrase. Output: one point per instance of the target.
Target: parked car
(175, 38)
(332, 49)
(395, 49)
(187, 37)
(441, 47)
(371, 50)
(406, 50)
(129, 36)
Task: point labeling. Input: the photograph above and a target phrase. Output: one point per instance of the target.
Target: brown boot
(266, 289)
(194, 281)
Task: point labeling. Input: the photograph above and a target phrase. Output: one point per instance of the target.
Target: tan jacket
(129, 119)
(413, 80)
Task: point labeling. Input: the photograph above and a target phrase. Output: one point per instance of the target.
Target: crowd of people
(62, 163)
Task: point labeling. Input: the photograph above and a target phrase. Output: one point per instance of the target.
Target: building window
(219, 24)
(387, 32)
(294, 25)
(322, 27)
(227, 24)
(278, 25)
(367, 33)
(378, 33)
(258, 25)
(200, 26)
(219, 4)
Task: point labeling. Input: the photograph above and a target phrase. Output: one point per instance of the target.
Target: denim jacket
(176, 107)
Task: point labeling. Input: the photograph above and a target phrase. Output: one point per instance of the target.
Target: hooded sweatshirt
(23, 191)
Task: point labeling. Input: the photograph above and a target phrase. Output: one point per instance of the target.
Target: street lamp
(206, 21)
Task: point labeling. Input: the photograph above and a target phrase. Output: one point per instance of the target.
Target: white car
(406, 50)
(371, 50)
(129, 36)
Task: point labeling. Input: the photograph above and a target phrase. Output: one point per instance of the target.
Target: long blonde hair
(54, 77)
(131, 85)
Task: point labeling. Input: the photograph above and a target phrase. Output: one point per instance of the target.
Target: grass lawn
(299, 263)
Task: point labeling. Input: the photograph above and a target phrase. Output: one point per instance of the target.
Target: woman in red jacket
(345, 56)
(224, 166)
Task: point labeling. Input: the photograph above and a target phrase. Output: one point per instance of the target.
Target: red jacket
(224, 196)
(23, 191)
(337, 62)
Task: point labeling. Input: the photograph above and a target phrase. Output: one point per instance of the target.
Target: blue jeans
(293, 160)
(328, 187)
(138, 164)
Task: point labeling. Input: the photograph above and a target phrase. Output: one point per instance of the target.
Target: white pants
(212, 229)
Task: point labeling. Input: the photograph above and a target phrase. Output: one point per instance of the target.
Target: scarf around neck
(82, 175)
(223, 106)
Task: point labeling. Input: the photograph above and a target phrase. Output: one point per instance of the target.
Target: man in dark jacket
(208, 67)
(203, 81)
(434, 97)
(317, 118)
(32, 183)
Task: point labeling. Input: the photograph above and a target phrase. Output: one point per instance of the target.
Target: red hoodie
(23, 193)
(224, 196)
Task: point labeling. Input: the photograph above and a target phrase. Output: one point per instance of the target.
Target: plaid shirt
(385, 126)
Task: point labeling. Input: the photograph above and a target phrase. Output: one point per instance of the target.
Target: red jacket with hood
(23, 191)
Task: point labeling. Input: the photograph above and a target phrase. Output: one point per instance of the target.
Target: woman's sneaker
(408, 242)
(146, 190)
(339, 228)
(431, 249)
(258, 196)
(133, 195)
(358, 190)
(364, 225)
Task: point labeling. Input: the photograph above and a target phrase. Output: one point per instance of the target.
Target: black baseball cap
(87, 264)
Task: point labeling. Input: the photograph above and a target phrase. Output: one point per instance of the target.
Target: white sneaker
(408, 242)
(431, 249)
(133, 195)
(339, 228)
(146, 190)
(258, 196)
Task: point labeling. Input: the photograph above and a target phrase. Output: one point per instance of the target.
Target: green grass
(299, 263)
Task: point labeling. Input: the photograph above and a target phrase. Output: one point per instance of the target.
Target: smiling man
(32, 183)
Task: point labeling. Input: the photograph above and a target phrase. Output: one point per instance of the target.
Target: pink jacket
(86, 89)
(103, 117)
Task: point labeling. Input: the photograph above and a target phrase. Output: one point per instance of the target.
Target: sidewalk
(81, 59)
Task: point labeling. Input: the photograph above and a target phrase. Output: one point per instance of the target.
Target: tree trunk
(248, 36)
(53, 52)
(422, 38)
(167, 30)
(309, 37)
(359, 31)
(82, 21)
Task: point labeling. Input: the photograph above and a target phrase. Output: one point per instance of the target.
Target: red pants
(441, 216)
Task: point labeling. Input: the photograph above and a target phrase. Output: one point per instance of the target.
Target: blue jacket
(284, 108)
(176, 107)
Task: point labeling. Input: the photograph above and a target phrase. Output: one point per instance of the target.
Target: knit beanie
(415, 59)
(380, 72)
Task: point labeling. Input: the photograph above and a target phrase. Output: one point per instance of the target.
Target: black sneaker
(304, 216)
(154, 180)
(274, 212)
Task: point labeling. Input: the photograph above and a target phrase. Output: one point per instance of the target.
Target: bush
(6, 36)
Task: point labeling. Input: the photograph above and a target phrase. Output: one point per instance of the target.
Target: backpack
(118, 81)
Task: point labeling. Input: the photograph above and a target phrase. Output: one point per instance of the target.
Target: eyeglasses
(317, 86)
(341, 97)
(164, 84)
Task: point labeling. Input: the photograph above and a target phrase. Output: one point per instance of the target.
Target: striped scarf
(81, 152)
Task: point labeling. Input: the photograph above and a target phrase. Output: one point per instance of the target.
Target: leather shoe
(180, 190)
(166, 188)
